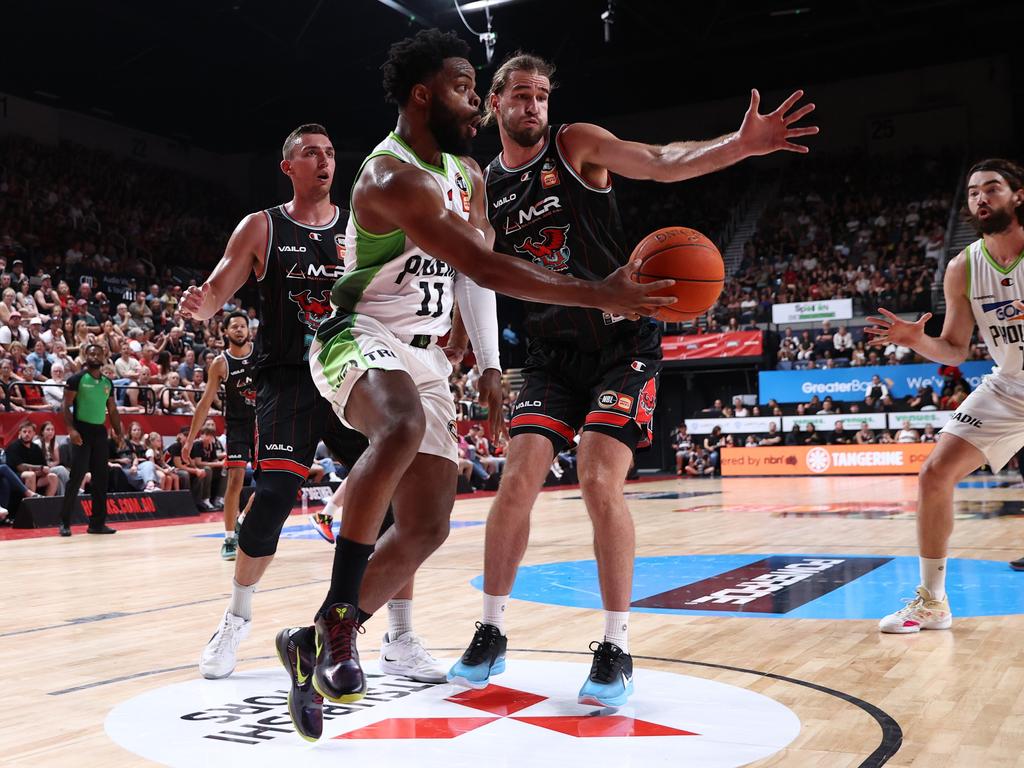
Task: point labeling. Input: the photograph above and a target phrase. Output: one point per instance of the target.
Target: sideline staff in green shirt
(88, 400)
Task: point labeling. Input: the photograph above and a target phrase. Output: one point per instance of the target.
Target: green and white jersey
(992, 289)
(390, 278)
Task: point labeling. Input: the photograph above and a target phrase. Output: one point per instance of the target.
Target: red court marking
(497, 700)
(418, 728)
(585, 726)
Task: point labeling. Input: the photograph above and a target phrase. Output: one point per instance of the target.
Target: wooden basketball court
(95, 630)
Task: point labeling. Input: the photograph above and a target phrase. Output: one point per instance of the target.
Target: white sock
(330, 509)
(229, 535)
(241, 600)
(933, 575)
(616, 628)
(399, 618)
(494, 611)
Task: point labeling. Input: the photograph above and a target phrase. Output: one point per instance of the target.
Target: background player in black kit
(551, 202)
(234, 369)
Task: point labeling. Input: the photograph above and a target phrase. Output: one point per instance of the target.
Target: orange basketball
(689, 258)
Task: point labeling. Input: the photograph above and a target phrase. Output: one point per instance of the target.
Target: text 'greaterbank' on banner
(855, 383)
(808, 311)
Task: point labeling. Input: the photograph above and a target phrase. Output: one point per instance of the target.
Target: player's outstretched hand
(891, 330)
(193, 299)
(621, 294)
(763, 134)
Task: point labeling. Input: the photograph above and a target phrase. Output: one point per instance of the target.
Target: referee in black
(88, 399)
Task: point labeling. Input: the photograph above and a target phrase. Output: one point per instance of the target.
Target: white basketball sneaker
(406, 657)
(218, 658)
(923, 612)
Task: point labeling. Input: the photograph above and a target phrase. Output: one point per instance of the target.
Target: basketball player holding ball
(550, 201)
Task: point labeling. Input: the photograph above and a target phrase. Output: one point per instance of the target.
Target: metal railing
(152, 405)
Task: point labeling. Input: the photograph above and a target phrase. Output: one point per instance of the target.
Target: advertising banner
(711, 345)
(808, 311)
(901, 459)
(851, 421)
(851, 384)
(919, 419)
(733, 426)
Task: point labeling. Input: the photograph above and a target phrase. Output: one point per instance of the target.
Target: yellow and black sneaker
(295, 649)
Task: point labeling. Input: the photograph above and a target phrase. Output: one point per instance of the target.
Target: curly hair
(414, 59)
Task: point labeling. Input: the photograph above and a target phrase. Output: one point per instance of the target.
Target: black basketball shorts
(241, 438)
(292, 418)
(611, 390)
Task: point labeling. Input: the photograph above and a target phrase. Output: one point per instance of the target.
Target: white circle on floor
(529, 715)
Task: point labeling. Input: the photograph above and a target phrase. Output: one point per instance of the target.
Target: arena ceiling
(236, 75)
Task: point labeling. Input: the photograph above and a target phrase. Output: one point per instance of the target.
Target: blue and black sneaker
(484, 657)
(610, 682)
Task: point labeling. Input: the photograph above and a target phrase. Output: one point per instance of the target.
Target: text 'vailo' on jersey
(992, 289)
(302, 263)
(390, 278)
(546, 213)
(240, 388)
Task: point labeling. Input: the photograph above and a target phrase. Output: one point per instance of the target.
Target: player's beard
(447, 130)
(999, 220)
(524, 137)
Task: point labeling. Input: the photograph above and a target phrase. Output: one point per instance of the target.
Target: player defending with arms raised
(234, 369)
(983, 285)
(417, 232)
(551, 203)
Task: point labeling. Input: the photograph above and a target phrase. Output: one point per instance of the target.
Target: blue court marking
(305, 531)
(992, 483)
(975, 587)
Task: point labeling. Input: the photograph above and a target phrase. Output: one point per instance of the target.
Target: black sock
(350, 558)
(364, 616)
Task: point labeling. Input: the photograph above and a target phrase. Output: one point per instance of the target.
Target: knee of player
(934, 474)
(401, 429)
(597, 482)
(429, 535)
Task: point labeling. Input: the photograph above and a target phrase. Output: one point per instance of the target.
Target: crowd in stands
(867, 228)
(841, 346)
(81, 210)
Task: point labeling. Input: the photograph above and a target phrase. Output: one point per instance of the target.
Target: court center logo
(774, 586)
(818, 460)
(673, 719)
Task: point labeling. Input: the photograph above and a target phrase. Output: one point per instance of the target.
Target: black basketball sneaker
(484, 657)
(610, 682)
(295, 649)
(338, 676)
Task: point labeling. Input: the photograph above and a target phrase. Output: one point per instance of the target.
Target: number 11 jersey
(390, 278)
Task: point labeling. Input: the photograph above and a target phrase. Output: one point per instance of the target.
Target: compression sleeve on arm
(479, 310)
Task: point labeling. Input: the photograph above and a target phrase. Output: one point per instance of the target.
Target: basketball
(689, 258)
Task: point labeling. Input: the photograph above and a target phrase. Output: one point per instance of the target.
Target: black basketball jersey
(240, 388)
(545, 213)
(302, 263)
